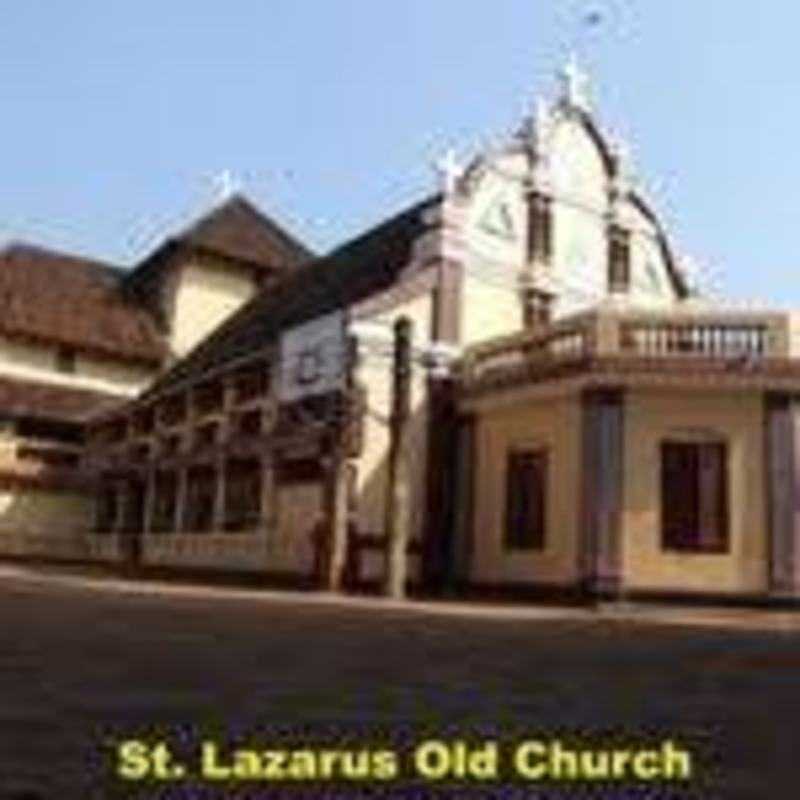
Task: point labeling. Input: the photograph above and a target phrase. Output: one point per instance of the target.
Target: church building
(576, 420)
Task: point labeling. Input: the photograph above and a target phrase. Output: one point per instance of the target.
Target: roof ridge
(35, 249)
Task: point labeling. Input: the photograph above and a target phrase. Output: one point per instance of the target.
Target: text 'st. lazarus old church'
(570, 418)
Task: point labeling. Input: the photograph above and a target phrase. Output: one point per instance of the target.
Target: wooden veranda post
(398, 512)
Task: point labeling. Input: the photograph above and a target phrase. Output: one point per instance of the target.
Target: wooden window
(694, 497)
(251, 383)
(619, 259)
(106, 515)
(249, 423)
(209, 398)
(206, 435)
(526, 499)
(200, 494)
(163, 513)
(242, 495)
(66, 360)
(173, 410)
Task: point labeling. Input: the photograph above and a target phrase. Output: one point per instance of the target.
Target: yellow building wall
(205, 296)
(291, 547)
(488, 311)
(375, 372)
(555, 424)
(43, 513)
(652, 417)
(38, 363)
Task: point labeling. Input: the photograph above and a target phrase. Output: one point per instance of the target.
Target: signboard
(313, 358)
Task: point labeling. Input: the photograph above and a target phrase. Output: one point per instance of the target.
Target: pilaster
(603, 481)
(782, 454)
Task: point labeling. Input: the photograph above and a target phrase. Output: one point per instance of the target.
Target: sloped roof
(52, 297)
(235, 229)
(49, 401)
(354, 271)
(239, 230)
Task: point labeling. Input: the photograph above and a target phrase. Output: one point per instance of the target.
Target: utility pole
(337, 490)
(398, 511)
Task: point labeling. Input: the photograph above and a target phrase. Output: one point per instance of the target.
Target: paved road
(82, 668)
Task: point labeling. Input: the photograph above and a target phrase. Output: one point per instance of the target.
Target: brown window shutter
(713, 497)
(694, 496)
(526, 499)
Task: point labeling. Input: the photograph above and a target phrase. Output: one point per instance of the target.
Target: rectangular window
(619, 259)
(526, 499)
(540, 229)
(65, 360)
(694, 497)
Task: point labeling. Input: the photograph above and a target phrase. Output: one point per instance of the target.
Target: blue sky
(116, 115)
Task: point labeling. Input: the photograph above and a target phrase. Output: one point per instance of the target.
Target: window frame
(66, 360)
(520, 534)
(700, 540)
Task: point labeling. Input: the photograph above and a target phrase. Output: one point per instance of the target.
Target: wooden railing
(621, 334)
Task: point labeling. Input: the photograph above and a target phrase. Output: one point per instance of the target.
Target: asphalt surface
(86, 667)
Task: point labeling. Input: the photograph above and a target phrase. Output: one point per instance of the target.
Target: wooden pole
(398, 512)
(337, 489)
(336, 492)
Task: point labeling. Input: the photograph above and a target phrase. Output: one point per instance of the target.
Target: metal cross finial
(575, 84)
(226, 184)
(449, 170)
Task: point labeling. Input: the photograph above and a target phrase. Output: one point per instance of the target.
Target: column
(603, 480)
(459, 566)
(337, 496)
(149, 500)
(120, 511)
(269, 495)
(782, 456)
(218, 525)
(181, 483)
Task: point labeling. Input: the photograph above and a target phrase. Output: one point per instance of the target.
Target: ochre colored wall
(488, 310)
(205, 296)
(376, 374)
(299, 509)
(38, 363)
(554, 423)
(650, 418)
(39, 512)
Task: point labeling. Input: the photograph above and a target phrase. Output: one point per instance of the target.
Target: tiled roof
(356, 270)
(239, 230)
(52, 297)
(20, 398)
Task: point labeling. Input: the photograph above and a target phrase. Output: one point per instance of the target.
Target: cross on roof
(226, 184)
(450, 170)
(575, 84)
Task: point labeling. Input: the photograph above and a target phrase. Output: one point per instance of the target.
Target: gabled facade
(78, 336)
(544, 226)
(578, 422)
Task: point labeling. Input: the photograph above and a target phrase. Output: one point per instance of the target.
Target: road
(85, 667)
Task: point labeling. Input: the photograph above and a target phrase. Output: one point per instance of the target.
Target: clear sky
(116, 115)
